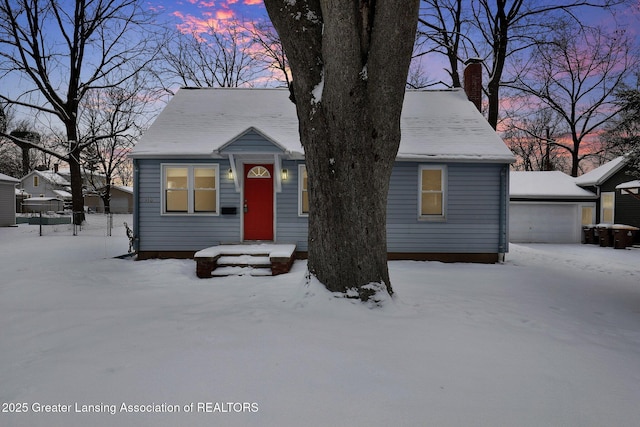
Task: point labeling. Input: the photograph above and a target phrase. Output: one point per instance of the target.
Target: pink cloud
(224, 14)
(252, 2)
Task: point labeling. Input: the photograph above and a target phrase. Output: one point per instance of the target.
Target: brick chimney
(473, 81)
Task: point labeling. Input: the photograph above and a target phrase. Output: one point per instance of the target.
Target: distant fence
(50, 223)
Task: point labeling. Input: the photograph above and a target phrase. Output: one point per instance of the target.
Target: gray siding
(182, 233)
(472, 224)
(7, 204)
(290, 228)
(473, 211)
(44, 187)
(251, 142)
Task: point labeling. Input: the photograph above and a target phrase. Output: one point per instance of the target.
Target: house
(614, 185)
(56, 183)
(121, 201)
(91, 180)
(7, 200)
(46, 184)
(225, 165)
(548, 207)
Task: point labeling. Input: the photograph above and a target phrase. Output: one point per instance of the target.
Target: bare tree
(23, 132)
(221, 56)
(17, 156)
(349, 62)
(441, 23)
(495, 31)
(268, 50)
(575, 74)
(112, 120)
(59, 51)
(622, 133)
(532, 139)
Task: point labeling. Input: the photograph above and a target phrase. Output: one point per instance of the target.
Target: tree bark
(349, 61)
(77, 196)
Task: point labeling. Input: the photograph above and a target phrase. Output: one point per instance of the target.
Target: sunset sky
(196, 13)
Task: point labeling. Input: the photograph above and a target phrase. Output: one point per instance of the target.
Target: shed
(8, 200)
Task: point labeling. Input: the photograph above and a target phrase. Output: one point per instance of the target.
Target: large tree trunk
(349, 165)
(77, 196)
(349, 61)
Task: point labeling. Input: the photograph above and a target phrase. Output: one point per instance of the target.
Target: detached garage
(548, 207)
(7, 200)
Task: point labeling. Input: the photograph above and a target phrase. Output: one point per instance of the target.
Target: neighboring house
(90, 180)
(8, 200)
(548, 207)
(46, 184)
(121, 200)
(613, 184)
(226, 165)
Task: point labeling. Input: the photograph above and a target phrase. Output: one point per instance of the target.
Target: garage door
(544, 223)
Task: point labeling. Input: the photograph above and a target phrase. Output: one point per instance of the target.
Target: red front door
(258, 202)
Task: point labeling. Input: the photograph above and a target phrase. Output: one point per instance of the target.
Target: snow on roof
(53, 177)
(63, 194)
(600, 174)
(124, 188)
(7, 178)
(442, 125)
(39, 200)
(629, 185)
(545, 184)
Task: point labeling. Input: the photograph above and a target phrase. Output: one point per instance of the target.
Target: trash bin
(623, 235)
(589, 234)
(605, 235)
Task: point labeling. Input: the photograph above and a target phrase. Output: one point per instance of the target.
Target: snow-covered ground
(549, 338)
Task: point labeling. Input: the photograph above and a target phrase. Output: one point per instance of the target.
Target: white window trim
(190, 188)
(443, 216)
(301, 169)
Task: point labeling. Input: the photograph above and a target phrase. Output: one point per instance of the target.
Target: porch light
(285, 174)
(230, 173)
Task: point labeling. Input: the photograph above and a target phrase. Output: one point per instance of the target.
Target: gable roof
(602, 173)
(545, 185)
(439, 125)
(49, 176)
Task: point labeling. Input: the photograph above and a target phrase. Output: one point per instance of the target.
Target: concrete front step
(255, 260)
(240, 271)
(244, 260)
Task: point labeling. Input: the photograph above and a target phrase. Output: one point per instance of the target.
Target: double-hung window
(190, 189)
(432, 195)
(303, 191)
(607, 206)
